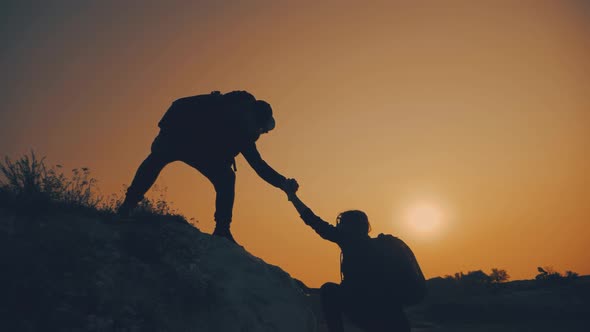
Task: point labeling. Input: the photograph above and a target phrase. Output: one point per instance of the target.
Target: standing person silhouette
(379, 275)
(207, 132)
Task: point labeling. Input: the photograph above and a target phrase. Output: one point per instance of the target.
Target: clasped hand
(290, 187)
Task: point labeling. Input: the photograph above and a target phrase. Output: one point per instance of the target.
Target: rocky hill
(70, 272)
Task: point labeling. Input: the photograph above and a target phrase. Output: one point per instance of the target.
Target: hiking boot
(124, 211)
(124, 216)
(222, 230)
(129, 203)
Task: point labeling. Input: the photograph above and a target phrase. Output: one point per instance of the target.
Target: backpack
(207, 113)
(398, 273)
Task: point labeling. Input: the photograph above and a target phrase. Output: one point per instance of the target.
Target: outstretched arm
(261, 168)
(323, 228)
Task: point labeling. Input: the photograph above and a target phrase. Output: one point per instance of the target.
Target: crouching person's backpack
(400, 276)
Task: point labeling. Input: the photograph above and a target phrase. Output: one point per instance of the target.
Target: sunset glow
(424, 218)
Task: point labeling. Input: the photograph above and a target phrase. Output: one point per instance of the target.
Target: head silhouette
(263, 116)
(353, 224)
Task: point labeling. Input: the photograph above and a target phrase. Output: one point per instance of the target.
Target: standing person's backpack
(206, 113)
(398, 272)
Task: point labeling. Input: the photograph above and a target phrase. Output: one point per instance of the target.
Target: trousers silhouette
(361, 309)
(163, 152)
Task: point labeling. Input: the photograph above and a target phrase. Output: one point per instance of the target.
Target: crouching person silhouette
(207, 132)
(379, 275)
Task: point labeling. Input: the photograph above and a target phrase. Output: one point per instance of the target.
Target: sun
(424, 217)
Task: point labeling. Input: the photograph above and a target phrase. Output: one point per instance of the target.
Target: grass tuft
(29, 186)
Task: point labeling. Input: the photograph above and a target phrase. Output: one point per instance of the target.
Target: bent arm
(323, 228)
(261, 168)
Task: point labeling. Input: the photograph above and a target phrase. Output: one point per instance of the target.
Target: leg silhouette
(362, 309)
(223, 179)
(146, 175)
(331, 297)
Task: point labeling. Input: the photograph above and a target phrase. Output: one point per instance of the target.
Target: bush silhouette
(499, 276)
(30, 186)
(29, 180)
(547, 276)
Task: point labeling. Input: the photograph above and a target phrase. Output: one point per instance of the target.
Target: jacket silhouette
(207, 132)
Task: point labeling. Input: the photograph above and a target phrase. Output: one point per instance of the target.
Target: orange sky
(478, 110)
